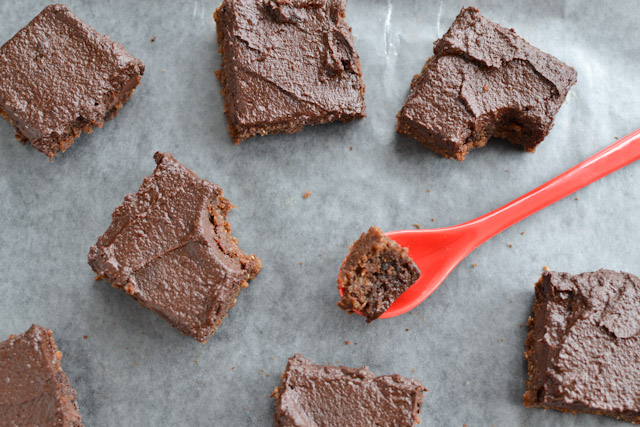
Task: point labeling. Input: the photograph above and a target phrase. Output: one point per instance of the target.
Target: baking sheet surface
(465, 343)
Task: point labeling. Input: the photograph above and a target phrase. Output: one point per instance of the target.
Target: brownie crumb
(376, 271)
(418, 226)
(153, 39)
(306, 195)
(510, 245)
(347, 342)
(351, 148)
(475, 265)
(85, 337)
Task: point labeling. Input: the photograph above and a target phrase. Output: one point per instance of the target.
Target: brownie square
(286, 64)
(169, 247)
(34, 390)
(316, 395)
(376, 271)
(59, 77)
(583, 346)
(484, 81)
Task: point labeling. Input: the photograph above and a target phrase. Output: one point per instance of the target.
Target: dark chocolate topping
(584, 344)
(484, 81)
(169, 247)
(34, 390)
(58, 72)
(287, 61)
(327, 396)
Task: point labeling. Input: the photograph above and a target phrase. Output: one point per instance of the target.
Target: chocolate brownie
(484, 81)
(169, 247)
(583, 347)
(377, 270)
(34, 390)
(327, 396)
(59, 77)
(286, 64)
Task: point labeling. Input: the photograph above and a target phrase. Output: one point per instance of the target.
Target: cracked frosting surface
(583, 347)
(34, 390)
(328, 396)
(168, 246)
(58, 73)
(484, 81)
(287, 64)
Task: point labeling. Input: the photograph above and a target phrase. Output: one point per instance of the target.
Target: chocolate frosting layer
(484, 81)
(287, 64)
(34, 390)
(169, 247)
(583, 346)
(327, 396)
(58, 74)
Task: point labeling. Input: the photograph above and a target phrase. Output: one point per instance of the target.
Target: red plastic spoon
(438, 251)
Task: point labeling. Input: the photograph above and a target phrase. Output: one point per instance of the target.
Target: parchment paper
(465, 343)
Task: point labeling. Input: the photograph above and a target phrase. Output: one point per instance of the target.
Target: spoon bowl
(437, 252)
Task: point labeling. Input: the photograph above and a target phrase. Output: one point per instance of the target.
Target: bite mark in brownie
(483, 81)
(169, 247)
(286, 64)
(327, 396)
(583, 345)
(60, 77)
(376, 271)
(34, 390)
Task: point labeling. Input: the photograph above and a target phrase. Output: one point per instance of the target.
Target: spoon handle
(610, 159)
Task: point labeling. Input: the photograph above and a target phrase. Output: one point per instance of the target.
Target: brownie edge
(583, 344)
(376, 271)
(313, 395)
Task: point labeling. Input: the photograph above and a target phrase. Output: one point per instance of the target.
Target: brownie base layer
(315, 395)
(582, 345)
(376, 271)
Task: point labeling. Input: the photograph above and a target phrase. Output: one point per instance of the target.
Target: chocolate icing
(168, 246)
(327, 396)
(376, 271)
(484, 81)
(59, 76)
(583, 346)
(287, 64)
(34, 390)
